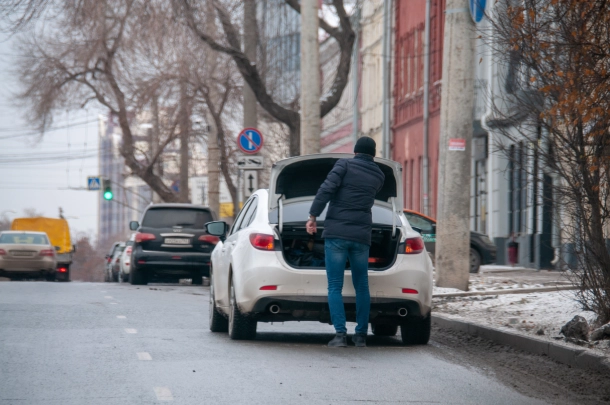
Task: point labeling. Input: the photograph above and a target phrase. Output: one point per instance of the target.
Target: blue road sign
(477, 9)
(93, 183)
(250, 140)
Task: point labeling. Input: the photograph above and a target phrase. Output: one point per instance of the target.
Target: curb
(507, 291)
(574, 357)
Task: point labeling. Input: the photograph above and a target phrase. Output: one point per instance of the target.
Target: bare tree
(555, 121)
(229, 18)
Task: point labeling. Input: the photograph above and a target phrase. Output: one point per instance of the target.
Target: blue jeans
(337, 251)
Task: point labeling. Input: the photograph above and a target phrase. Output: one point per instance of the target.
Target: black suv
(172, 242)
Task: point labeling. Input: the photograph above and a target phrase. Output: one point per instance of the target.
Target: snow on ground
(536, 314)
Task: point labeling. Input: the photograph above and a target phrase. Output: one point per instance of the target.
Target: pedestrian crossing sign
(93, 183)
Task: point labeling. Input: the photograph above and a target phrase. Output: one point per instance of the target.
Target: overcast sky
(36, 173)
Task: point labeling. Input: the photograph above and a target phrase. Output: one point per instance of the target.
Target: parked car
(172, 241)
(116, 262)
(482, 249)
(27, 254)
(126, 259)
(267, 268)
(109, 260)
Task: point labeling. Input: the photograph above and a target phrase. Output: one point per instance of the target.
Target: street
(96, 343)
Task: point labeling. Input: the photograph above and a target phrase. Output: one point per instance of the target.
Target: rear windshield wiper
(185, 224)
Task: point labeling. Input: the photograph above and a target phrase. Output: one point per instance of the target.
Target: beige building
(371, 51)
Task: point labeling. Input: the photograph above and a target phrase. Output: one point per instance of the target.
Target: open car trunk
(304, 251)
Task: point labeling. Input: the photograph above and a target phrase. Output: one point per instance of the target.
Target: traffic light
(108, 195)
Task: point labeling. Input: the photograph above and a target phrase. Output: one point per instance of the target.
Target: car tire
(218, 323)
(51, 277)
(125, 277)
(384, 330)
(106, 278)
(475, 260)
(241, 327)
(416, 331)
(137, 277)
(197, 279)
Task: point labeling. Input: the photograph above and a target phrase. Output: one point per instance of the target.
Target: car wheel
(51, 276)
(475, 261)
(241, 327)
(218, 323)
(384, 330)
(125, 277)
(137, 277)
(197, 278)
(106, 278)
(416, 331)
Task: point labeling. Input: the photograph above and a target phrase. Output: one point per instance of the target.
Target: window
(170, 217)
(426, 225)
(250, 214)
(240, 216)
(23, 239)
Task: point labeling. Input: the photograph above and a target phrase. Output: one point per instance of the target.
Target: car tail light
(47, 252)
(268, 288)
(209, 239)
(62, 269)
(2, 252)
(414, 246)
(376, 260)
(261, 241)
(409, 291)
(144, 237)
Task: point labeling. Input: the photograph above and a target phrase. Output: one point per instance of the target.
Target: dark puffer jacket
(350, 187)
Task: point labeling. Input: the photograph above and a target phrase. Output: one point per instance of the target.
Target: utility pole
(154, 147)
(310, 78)
(250, 42)
(425, 171)
(387, 47)
(185, 135)
(457, 103)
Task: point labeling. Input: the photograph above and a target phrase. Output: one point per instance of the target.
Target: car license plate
(22, 254)
(177, 241)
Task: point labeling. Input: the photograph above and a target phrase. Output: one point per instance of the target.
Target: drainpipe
(387, 32)
(425, 174)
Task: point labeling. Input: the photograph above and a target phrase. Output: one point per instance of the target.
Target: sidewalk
(502, 300)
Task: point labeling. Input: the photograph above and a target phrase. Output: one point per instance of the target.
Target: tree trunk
(185, 132)
(213, 169)
(295, 137)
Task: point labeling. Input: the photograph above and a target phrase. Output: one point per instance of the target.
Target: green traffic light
(108, 194)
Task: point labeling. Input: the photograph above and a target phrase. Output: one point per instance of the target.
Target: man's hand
(311, 226)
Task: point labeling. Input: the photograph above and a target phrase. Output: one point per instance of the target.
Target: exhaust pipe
(274, 309)
(402, 312)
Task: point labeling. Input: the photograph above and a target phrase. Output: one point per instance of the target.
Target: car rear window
(170, 217)
(24, 239)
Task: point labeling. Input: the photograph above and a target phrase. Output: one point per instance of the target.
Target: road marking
(113, 303)
(163, 394)
(129, 330)
(103, 291)
(144, 356)
(108, 296)
(121, 316)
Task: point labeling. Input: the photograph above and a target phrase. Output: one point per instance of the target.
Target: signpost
(477, 9)
(94, 183)
(250, 141)
(250, 182)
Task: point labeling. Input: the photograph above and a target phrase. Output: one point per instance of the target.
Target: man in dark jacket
(350, 187)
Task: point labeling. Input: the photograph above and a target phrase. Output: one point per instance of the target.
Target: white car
(126, 259)
(268, 269)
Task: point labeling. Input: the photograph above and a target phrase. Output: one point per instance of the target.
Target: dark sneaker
(340, 340)
(359, 340)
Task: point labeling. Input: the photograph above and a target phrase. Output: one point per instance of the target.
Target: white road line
(144, 356)
(163, 394)
(113, 303)
(129, 330)
(108, 296)
(121, 316)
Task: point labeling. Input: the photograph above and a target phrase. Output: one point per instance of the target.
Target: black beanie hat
(365, 145)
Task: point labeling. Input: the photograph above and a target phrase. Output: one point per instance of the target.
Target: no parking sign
(250, 140)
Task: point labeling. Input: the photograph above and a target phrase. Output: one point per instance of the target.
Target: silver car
(26, 254)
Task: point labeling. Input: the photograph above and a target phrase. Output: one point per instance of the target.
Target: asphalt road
(90, 343)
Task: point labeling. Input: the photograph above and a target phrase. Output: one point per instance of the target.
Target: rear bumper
(26, 272)
(172, 264)
(46, 264)
(296, 308)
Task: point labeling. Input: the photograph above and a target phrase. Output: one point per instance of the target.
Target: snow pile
(541, 314)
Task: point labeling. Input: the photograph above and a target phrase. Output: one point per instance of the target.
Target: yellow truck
(58, 231)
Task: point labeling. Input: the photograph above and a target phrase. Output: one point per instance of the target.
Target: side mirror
(217, 228)
(57, 248)
(133, 225)
(416, 229)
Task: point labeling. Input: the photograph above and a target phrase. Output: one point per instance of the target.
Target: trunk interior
(304, 251)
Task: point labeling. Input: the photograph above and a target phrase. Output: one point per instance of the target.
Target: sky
(39, 172)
